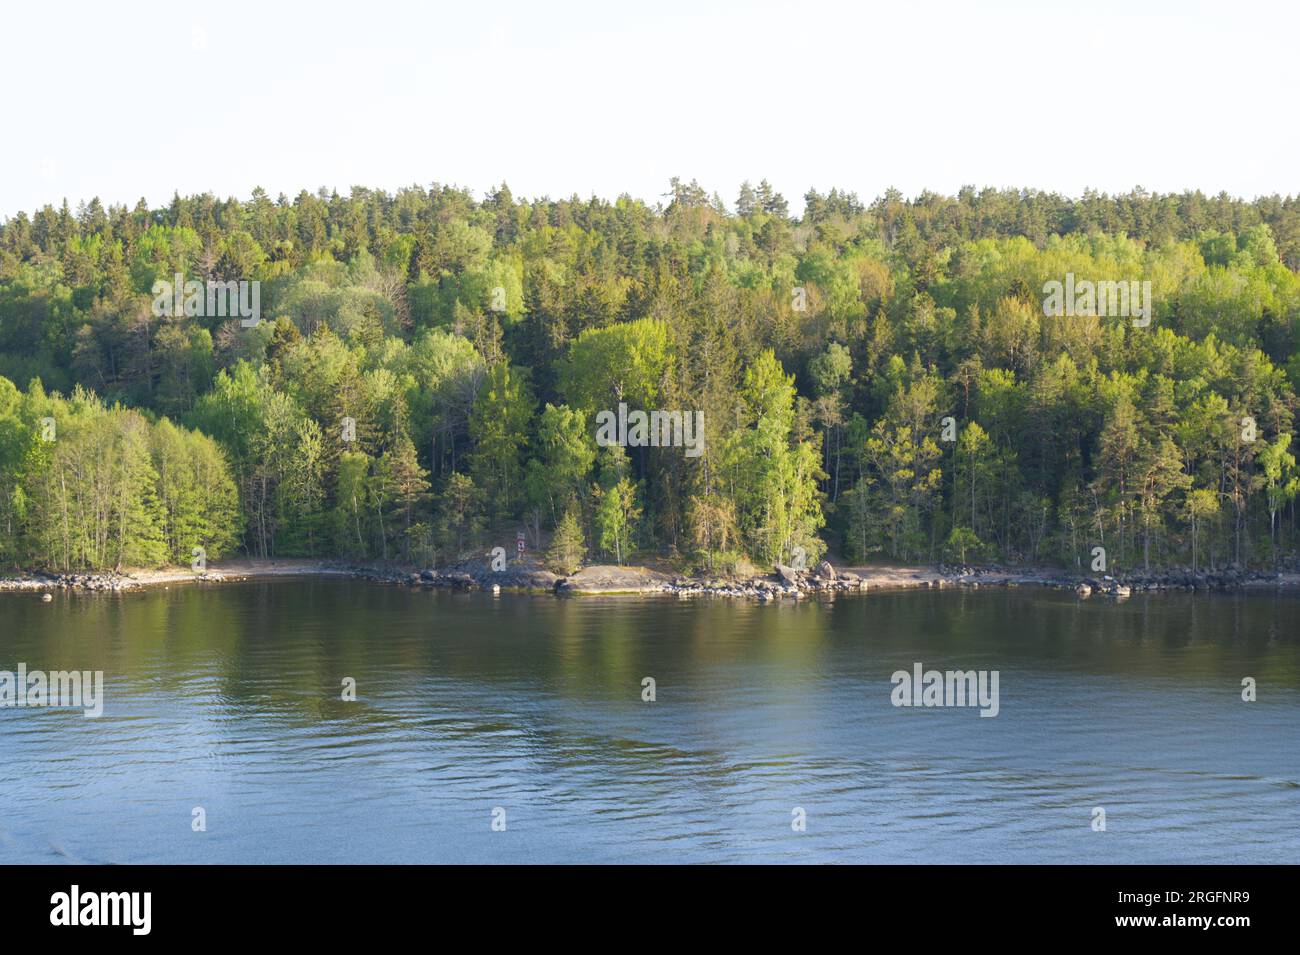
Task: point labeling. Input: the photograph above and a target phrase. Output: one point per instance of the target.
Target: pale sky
(557, 97)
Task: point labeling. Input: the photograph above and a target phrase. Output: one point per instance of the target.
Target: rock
(46, 598)
(603, 579)
(788, 574)
(1083, 590)
(825, 571)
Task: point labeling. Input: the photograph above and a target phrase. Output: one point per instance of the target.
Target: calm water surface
(229, 698)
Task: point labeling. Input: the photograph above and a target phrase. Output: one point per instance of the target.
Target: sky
(131, 100)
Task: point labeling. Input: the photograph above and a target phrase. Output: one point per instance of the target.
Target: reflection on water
(229, 698)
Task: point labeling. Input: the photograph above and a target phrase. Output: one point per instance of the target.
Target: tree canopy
(877, 379)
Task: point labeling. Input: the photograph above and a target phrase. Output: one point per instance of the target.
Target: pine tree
(568, 550)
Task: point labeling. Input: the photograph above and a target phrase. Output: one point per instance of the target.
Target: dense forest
(878, 380)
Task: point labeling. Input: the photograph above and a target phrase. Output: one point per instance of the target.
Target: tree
(300, 494)
(460, 517)
(901, 484)
(197, 498)
(403, 487)
(972, 474)
(774, 477)
(617, 512)
(350, 508)
(621, 363)
(1281, 481)
(831, 371)
(1202, 505)
(568, 549)
(617, 509)
(499, 427)
(566, 453)
(961, 541)
(712, 519)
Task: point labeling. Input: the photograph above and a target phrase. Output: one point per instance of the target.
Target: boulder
(788, 574)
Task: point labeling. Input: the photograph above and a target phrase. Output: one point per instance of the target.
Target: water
(228, 698)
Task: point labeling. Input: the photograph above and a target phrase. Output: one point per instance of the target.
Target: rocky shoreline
(785, 583)
(794, 584)
(100, 581)
(108, 581)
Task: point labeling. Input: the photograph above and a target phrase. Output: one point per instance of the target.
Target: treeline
(877, 378)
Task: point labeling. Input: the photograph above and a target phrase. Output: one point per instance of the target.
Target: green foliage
(617, 506)
(387, 405)
(962, 544)
(777, 498)
(499, 427)
(568, 550)
(621, 363)
(460, 519)
(566, 453)
(350, 518)
(83, 485)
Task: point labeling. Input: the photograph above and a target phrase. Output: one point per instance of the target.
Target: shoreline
(107, 581)
(610, 580)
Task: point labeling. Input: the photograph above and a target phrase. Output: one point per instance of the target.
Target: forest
(878, 381)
